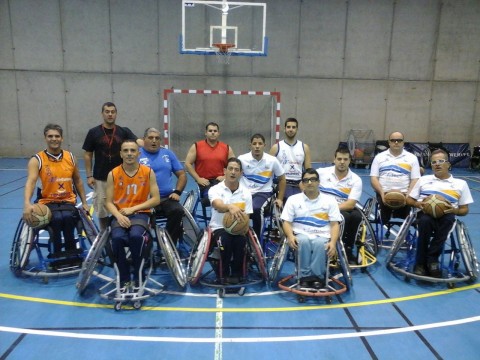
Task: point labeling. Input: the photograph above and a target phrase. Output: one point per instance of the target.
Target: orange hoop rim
(223, 47)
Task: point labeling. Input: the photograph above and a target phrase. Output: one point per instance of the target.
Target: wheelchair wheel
(278, 260)
(189, 202)
(191, 231)
(91, 260)
(21, 247)
(367, 236)
(255, 250)
(401, 238)
(198, 257)
(468, 252)
(89, 227)
(343, 261)
(172, 258)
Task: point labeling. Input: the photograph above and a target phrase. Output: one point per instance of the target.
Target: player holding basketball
(229, 196)
(294, 155)
(432, 233)
(346, 187)
(132, 192)
(394, 169)
(206, 160)
(103, 143)
(311, 225)
(259, 169)
(60, 178)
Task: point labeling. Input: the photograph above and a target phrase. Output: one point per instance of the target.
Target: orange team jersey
(129, 191)
(210, 161)
(55, 173)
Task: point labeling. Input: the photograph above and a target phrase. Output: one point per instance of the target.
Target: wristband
(178, 192)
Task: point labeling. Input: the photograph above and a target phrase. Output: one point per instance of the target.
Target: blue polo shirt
(163, 163)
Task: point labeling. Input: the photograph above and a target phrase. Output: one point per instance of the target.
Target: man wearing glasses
(311, 225)
(394, 169)
(432, 233)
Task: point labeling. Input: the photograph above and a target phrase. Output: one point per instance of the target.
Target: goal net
(240, 114)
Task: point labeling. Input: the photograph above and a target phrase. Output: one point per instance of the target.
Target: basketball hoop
(223, 55)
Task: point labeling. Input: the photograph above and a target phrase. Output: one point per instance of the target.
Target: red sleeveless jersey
(133, 190)
(210, 161)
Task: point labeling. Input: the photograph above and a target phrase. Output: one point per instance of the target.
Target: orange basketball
(435, 206)
(395, 199)
(41, 216)
(234, 226)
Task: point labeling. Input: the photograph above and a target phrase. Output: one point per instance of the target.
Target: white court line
(240, 340)
(218, 330)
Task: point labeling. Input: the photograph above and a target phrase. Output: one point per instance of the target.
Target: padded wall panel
(408, 108)
(458, 52)
(413, 39)
(368, 39)
(452, 112)
(322, 38)
(363, 106)
(134, 32)
(41, 99)
(86, 35)
(10, 144)
(37, 34)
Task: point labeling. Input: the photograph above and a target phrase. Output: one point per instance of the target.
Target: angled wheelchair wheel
(191, 231)
(90, 229)
(278, 260)
(368, 238)
(343, 261)
(401, 238)
(172, 258)
(255, 250)
(92, 259)
(468, 252)
(189, 202)
(198, 257)
(21, 247)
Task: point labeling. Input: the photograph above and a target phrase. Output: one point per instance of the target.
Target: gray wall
(408, 65)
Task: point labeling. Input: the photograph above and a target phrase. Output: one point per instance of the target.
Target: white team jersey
(395, 172)
(350, 187)
(291, 158)
(454, 190)
(258, 175)
(241, 198)
(311, 217)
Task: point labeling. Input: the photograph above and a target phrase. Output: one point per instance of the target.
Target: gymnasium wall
(408, 65)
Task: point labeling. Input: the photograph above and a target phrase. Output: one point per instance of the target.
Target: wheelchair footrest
(65, 254)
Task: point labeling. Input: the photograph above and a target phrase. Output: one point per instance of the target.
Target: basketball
(435, 206)
(235, 227)
(395, 199)
(41, 216)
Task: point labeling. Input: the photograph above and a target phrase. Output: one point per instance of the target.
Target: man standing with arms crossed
(206, 159)
(294, 155)
(103, 143)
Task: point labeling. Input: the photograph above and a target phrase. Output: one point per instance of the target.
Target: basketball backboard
(208, 26)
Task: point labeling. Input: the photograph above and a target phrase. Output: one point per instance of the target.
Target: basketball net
(222, 53)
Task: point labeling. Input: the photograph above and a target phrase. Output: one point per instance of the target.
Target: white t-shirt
(291, 157)
(311, 217)
(240, 197)
(350, 187)
(395, 172)
(258, 175)
(454, 190)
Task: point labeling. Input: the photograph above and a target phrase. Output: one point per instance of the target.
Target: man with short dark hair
(294, 155)
(206, 160)
(103, 143)
(259, 169)
(311, 225)
(346, 187)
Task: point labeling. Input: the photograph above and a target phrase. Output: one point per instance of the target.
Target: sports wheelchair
(29, 255)
(338, 275)
(254, 267)
(458, 260)
(366, 244)
(101, 256)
